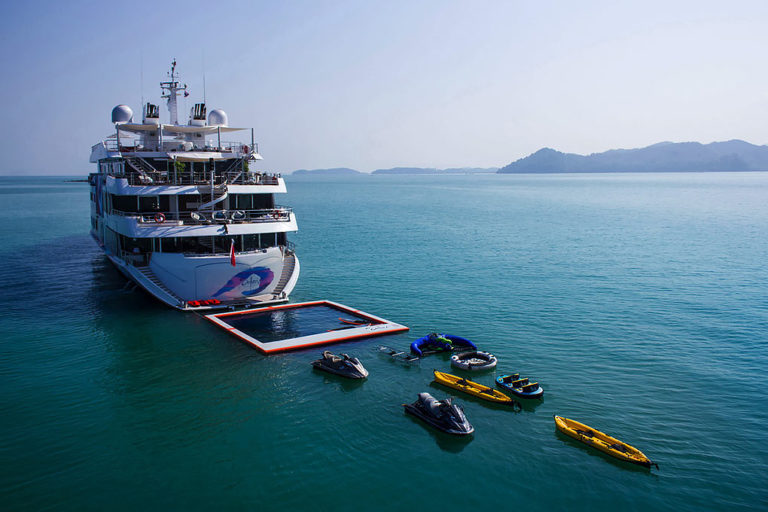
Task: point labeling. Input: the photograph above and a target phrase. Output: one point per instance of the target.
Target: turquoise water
(638, 301)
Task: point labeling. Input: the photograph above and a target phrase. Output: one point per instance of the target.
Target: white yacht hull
(258, 278)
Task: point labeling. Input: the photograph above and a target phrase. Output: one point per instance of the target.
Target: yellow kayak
(473, 388)
(602, 442)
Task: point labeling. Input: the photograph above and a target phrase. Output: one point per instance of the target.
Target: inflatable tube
(440, 342)
(458, 341)
(430, 343)
(474, 361)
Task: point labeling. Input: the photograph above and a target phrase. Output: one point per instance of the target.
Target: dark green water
(639, 302)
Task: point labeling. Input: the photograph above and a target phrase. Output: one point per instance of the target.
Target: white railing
(277, 214)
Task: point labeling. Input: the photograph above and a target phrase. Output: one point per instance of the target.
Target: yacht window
(149, 204)
(189, 202)
(124, 203)
(250, 242)
(267, 240)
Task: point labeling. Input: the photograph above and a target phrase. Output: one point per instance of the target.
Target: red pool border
(379, 328)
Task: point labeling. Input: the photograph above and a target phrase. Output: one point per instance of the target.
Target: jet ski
(343, 365)
(441, 414)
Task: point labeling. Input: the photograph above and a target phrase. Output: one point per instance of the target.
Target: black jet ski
(441, 414)
(343, 365)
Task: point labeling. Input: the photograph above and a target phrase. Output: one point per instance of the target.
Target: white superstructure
(181, 212)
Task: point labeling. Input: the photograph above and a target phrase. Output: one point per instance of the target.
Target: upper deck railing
(276, 214)
(236, 176)
(134, 146)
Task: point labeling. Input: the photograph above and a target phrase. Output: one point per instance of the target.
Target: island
(732, 155)
(336, 171)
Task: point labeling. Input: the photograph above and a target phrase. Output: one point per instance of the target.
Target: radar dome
(217, 117)
(122, 114)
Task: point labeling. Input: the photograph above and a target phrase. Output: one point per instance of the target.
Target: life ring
(245, 148)
(159, 218)
(275, 214)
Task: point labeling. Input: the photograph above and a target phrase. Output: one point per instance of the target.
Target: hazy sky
(389, 83)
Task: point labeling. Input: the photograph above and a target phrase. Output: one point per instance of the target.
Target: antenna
(172, 89)
(141, 76)
(204, 96)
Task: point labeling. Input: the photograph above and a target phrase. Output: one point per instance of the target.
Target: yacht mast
(171, 90)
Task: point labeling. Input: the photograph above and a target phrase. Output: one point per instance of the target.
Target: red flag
(232, 253)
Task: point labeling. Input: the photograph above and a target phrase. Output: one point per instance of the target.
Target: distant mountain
(470, 170)
(406, 170)
(432, 170)
(336, 171)
(733, 155)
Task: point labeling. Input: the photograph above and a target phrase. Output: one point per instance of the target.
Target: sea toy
(475, 389)
(474, 361)
(520, 387)
(434, 342)
(441, 414)
(602, 442)
(343, 365)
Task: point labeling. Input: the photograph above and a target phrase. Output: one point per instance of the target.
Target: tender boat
(474, 389)
(602, 442)
(522, 388)
(440, 342)
(343, 365)
(474, 361)
(441, 414)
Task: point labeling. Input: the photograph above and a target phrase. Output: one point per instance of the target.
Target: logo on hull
(250, 282)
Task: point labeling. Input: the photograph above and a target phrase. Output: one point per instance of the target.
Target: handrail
(163, 178)
(134, 145)
(277, 214)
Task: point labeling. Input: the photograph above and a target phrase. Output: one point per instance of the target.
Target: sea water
(638, 301)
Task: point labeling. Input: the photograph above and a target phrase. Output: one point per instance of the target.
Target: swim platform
(306, 324)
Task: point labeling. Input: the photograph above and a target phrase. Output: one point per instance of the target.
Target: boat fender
(159, 218)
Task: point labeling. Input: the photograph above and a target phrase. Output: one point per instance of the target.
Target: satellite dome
(122, 114)
(217, 117)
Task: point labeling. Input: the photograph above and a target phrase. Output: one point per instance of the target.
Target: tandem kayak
(602, 442)
(473, 388)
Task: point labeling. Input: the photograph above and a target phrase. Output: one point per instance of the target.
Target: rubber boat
(474, 389)
(474, 361)
(520, 387)
(441, 414)
(602, 442)
(343, 365)
(434, 342)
